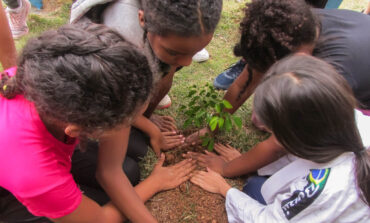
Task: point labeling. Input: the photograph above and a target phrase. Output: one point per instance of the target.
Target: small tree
(206, 108)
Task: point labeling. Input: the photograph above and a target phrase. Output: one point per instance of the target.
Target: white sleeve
(242, 208)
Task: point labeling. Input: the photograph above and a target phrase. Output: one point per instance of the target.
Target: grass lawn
(222, 57)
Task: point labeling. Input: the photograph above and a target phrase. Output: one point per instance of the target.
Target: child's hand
(164, 123)
(211, 160)
(211, 181)
(165, 141)
(170, 177)
(227, 152)
(194, 138)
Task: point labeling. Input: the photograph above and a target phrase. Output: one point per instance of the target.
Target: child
(271, 30)
(72, 84)
(309, 108)
(172, 31)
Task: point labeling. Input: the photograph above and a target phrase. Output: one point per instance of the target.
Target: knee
(132, 171)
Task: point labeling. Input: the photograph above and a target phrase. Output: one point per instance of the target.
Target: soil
(188, 202)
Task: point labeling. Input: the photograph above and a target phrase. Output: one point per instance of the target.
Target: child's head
(309, 108)
(270, 30)
(86, 76)
(179, 29)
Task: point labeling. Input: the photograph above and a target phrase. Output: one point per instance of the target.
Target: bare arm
(110, 174)
(162, 88)
(237, 86)
(262, 154)
(8, 53)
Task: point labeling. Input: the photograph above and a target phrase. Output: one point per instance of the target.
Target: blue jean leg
(253, 187)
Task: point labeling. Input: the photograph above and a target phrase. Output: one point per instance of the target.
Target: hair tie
(360, 153)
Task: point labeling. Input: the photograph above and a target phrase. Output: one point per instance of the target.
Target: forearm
(147, 126)
(236, 94)
(147, 189)
(124, 197)
(262, 154)
(163, 87)
(8, 52)
(112, 152)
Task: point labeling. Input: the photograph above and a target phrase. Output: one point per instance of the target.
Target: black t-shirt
(344, 42)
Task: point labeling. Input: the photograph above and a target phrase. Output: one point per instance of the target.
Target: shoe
(201, 56)
(18, 19)
(164, 103)
(226, 78)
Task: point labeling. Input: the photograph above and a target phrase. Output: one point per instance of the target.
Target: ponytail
(362, 174)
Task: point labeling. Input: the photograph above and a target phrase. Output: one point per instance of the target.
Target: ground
(187, 203)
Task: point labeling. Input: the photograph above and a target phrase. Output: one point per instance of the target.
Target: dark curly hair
(272, 29)
(86, 75)
(184, 18)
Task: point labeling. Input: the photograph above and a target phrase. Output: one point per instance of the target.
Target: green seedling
(207, 108)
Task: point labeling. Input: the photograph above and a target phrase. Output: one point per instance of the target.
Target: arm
(162, 178)
(112, 178)
(158, 140)
(237, 86)
(8, 53)
(163, 87)
(262, 154)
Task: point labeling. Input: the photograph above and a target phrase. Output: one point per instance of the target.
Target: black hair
(310, 109)
(183, 18)
(270, 30)
(84, 75)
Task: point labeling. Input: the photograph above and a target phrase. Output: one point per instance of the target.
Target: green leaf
(191, 103)
(211, 145)
(213, 123)
(228, 124)
(214, 96)
(218, 108)
(205, 141)
(238, 121)
(182, 107)
(221, 122)
(189, 113)
(227, 104)
(197, 123)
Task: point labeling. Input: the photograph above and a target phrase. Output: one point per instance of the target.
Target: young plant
(206, 108)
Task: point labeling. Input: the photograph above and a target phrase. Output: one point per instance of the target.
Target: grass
(222, 57)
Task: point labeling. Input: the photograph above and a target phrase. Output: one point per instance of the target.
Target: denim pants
(253, 187)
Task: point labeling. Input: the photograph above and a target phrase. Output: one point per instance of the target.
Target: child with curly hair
(74, 84)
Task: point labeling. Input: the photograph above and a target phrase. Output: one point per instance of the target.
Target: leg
(12, 211)
(137, 144)
(253, 186)
(84, 166)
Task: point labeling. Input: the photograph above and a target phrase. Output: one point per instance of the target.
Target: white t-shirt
(304, 191)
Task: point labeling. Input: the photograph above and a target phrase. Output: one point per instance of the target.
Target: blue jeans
(333, 4)
(253, 187)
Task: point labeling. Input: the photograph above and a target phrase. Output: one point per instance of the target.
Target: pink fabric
(11, 71)
(35, 166)
(365, 112)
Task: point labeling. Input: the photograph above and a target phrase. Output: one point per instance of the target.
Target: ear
(72, 130)
(141, 18)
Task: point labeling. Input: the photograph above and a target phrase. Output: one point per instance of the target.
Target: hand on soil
(211, 181)
(227, 152)
(211, 160)
(172, 176)
(166, 141)
(164, 123)
(194, 138)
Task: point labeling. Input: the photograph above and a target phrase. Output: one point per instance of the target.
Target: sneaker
(18, 19)
(201, 56)
(226, 78)
(165, 102)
